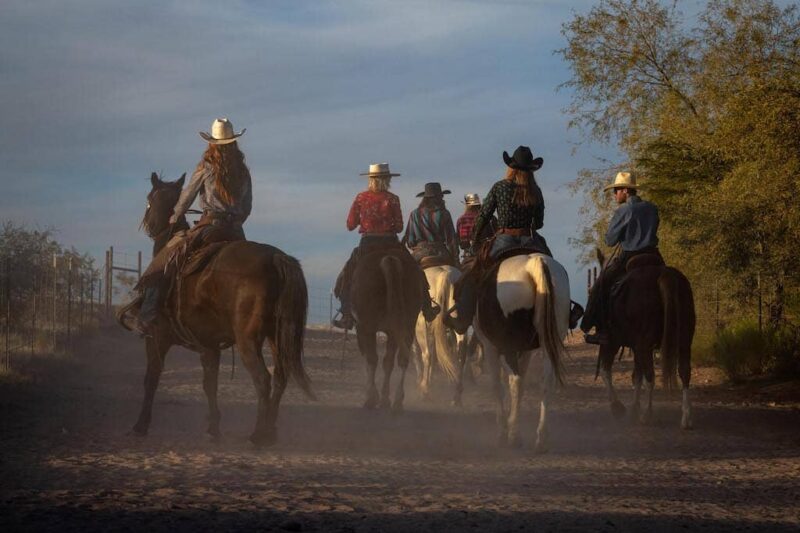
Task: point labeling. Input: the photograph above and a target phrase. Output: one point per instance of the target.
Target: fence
(45, 305)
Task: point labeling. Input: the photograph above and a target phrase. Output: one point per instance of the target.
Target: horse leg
(650, 378)
(516, 387)
(400, 392)
(157, 349)
(497, 388)
(210, 360)
(461, 350)
(548, 386)
(685, 373)
(607, 354)
(388, 367)
(367, 345)
(427, 364)
(637, 378)
(279, 381)
(265, 433)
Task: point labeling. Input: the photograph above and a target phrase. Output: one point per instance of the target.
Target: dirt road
(67, 463)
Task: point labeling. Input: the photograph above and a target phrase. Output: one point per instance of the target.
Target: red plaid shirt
(376, 212)
(464, 227)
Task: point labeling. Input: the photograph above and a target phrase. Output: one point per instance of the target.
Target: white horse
(436, 342)
(529, 296)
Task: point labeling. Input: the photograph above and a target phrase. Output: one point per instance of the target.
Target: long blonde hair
(379, 183)
(228, 168)
(526, 190)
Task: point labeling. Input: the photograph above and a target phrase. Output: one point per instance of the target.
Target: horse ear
(181, 180)
(154, 179)
(601, 258)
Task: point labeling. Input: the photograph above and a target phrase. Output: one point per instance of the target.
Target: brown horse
(247, 293)
(653, 308)
(386, 297)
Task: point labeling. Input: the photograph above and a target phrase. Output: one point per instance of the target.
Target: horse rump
(678, 328)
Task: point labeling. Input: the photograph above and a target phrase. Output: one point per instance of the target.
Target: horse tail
(291, 311)
(444, 348)
(545, 317)
(679, 322)
(392, 268)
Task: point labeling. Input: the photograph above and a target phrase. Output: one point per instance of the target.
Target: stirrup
(599, 338)
(345, 322)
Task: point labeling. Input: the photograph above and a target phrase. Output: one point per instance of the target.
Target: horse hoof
(541, 447)
(397, 408)
(456, 402)
(264, 439)
(138, 431)
(384, 403)
(515, 442)
(686, 423)
(371, 401)
(617, 409)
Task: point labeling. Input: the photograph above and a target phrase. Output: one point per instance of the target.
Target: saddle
(633, 264)
(435, 260)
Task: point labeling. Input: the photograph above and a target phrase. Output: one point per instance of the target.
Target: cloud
(97, 94)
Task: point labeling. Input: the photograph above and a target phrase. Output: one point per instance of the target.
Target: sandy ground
(67, 463)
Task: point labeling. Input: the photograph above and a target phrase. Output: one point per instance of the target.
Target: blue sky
(96, 94)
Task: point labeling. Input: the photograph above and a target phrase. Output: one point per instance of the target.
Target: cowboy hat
(378, 170)
(623, 180)
(472, 198)
(432, 190)
(221, 132)
(523, 159)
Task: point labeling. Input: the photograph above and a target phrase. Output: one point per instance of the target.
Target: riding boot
(465, 306)
(148, 313)
(347, 321)
(430, 309)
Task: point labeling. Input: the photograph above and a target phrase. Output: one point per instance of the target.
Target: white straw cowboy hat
(378, 170)
(472, 198)
(221, 132)
(623, 180)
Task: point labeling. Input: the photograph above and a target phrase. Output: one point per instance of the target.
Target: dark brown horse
(386, 297)
(653, 309)
(247, 293)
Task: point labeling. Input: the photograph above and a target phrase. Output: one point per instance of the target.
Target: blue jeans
(504, 242)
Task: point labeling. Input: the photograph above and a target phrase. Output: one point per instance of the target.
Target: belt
(517, 232)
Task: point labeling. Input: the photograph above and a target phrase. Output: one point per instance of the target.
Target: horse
(386, 297)
(653, 308)
(522, 303)
(248, 292)
(436, 342)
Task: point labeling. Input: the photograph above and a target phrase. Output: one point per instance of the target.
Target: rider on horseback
(377, 212)
(519, 204)
(223, 182)
(634, 227)
(429, 232)
(467, 240)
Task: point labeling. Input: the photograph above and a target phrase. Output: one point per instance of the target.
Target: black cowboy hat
(523, 159)
(432, 190)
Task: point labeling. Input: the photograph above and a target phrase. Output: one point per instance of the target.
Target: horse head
(161, 202)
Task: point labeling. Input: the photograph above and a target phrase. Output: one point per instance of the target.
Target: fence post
(80, 277)
(139, 264)
(69, 302)
(8, 313)
(55, 298)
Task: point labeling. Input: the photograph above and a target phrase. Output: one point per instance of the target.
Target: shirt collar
(633, 199)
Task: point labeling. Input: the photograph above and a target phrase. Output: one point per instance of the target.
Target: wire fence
(46, 305)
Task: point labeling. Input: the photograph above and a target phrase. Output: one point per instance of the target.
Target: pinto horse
(523, 303)
(247, 293)
(436, 342)
(386, 297)
(654, 308)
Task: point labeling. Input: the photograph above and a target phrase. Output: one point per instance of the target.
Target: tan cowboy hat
(378, 170)
(472, 198)
(221, 132)
(623, 180)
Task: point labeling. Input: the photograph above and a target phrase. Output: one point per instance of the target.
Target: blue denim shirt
(634, 225)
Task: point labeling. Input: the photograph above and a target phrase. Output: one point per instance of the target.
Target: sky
(97, 94)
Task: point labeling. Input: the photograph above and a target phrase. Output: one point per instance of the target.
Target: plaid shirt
(465, 226)
(375, 212)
